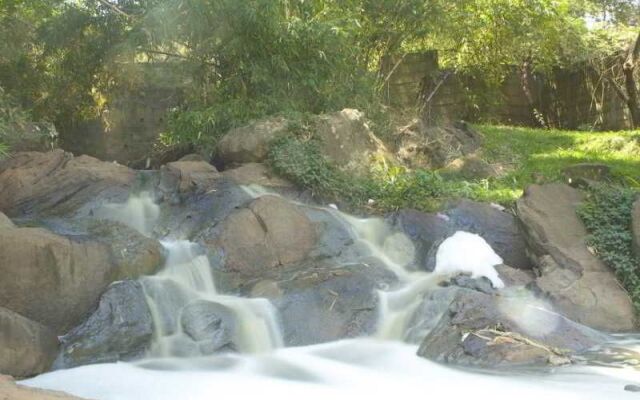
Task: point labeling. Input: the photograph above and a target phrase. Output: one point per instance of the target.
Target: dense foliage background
(62, 60)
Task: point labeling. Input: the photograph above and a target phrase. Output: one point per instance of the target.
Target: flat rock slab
(580, 285)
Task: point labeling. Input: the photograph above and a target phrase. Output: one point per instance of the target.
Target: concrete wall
(570, 98)
(133, 117)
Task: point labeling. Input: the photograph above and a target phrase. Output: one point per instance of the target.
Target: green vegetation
(521, 155)
(607, 215)
(65, 61)
(527, 156)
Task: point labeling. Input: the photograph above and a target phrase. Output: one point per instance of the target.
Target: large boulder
(119, 329)
(27, 348)
(499, 228)
(56, 183)
(269, 232)
(256, 174)
(579, 284)
(55, 280)
(9, 390)
(322, 304)
(426, 231)
(635, 227)
(184, 177)
(186, 218)
(250, 143)
(420, 145)
(486, 330)
(345, 139)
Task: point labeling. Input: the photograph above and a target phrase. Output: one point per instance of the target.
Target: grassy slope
(525, 152)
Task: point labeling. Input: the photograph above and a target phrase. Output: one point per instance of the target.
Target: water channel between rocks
(180, 365)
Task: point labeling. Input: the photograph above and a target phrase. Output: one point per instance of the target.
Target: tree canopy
(241, 59)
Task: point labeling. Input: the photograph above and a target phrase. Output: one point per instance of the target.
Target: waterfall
(186, 280)
(184, 293)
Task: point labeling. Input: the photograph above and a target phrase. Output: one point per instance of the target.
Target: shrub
(607, 215)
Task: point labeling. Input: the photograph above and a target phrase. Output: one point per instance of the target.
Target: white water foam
(468, 253)
(358, 368)
(348, 370)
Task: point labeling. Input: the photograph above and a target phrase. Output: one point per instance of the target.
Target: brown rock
(268, 233)
(469, 167)
(56, 183)
(347, 140)
(56, 280)
(250, 143)
(27, 348)
(344, 136)
(256, 174)
(422, 146)
(9, 390)
(186, 176)
(579, 284)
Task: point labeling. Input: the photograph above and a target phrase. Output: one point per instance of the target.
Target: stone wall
(133, 117)
(569, 98)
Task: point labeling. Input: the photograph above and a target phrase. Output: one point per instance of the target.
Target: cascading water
(184, 302)
(187, 280)
(186, 283)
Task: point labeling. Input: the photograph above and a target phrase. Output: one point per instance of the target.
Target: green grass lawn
(523, 155)
(527, 153)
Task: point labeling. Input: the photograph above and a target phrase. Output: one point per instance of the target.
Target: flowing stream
(381, 366)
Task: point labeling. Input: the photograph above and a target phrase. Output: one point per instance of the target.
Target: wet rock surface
(322, 304)
(210, 325)
(478, 329)
(119, 329)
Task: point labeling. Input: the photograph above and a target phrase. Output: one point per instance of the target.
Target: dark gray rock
(632, 388)
(499, 228)
(168, 296)
(322, 304)
(197, 213)
(120, 329)
(211, 325)
(493, 331)
(426, 231)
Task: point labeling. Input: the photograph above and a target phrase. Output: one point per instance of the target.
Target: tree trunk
(628, 69)
(525, 83)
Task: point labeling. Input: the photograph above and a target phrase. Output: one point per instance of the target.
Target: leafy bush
(18, 131)
(607, 216)
(298, 158)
